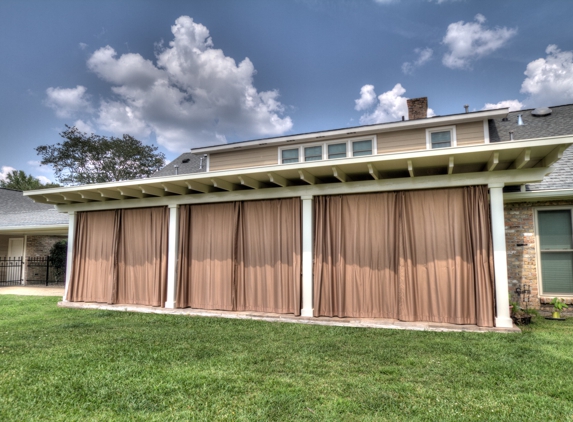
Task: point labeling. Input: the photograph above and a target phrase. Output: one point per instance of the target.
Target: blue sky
(182, 74)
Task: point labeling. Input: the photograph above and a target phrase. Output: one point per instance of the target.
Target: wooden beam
(94, 196)
(250, 182)
(133, 193)
(173, 188)
(151, 190)
(199, 187)
(110, 194)
(521, 160)
(223, 184)
(451, 165)
(73, 196)
(340, 175)
(56, 199)
(551, 158)
(279, 180)
(308, 178)
(373, 172)
(410, 168)
(492, 162)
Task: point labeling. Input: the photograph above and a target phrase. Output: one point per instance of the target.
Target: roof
(186, 162)
(18, 210)
(558, 123)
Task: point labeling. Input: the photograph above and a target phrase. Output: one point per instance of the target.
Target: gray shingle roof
(191, 166)
(18, 210)
(562, 176)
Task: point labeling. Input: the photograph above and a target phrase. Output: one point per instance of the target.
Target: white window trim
(538, 247)
(325, 144)
(429, 132)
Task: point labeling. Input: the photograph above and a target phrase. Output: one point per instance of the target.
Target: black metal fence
(11, 271)
(42, 270)
(39, 270)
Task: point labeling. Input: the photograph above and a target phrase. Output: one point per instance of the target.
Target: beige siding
(236, 159)
(470, 133)
(404, 140)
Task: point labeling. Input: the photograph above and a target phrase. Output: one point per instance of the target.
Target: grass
(66, 364)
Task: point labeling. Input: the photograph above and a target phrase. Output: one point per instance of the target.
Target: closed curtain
(414, 256)
(142, 256)
(240, 256)
(120, 256)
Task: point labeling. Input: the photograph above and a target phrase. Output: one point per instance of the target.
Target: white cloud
(43, 179)
(472, 40)
(514, 105)
(67, 101)
(424, 56)
(4, 172)
(391, 105)
(83, 45)
(192, 95)
(86, 127)
(549, 80)
(39, 167)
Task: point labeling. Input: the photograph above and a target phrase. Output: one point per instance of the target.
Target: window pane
(290, 156)
(361, 148)
(557, 272)
(441, 139)
(554, 229)
(337, 150)
(313, 153)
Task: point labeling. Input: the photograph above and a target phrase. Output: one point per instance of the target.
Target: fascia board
(358, 131)
(60, 228)
(536, 196)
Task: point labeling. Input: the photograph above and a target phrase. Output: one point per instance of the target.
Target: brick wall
(521, 253)
(41, 245)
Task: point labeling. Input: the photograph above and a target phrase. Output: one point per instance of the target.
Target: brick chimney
(418, 108)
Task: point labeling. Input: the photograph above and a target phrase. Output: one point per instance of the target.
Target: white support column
(24, 261)
(499, 256)
(307, 256)
(172, 255)
(70, 256)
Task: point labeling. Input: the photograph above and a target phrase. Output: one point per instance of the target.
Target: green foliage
(58, 256)
(19, 180)
(59, 364)
(83, 159)
(558, 304)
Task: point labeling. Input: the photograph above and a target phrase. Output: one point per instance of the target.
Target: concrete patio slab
(32, 290)
(262, 316)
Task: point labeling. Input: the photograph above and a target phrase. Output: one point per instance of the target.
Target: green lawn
(65, 364)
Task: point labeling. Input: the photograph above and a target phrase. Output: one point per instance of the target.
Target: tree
(83, 159)
(19, 180)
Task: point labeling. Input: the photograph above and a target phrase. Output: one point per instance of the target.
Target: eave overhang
(46, 230)
(507, 163)
(358, 131)
(540, 195)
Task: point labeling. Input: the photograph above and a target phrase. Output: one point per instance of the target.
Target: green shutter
(557, 272)
(555, 229)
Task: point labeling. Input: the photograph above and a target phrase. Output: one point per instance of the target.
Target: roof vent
(542, 111)
(186, 160)
(519, 120)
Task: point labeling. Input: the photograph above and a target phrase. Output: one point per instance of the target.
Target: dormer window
(328, 150)
(337, 150)
(313, 153)
(360, 148)
(289, 155)
(441, 137)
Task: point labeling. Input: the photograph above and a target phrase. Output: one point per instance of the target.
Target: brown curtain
(269, 278)
(142, 256)
(120, 256)
(208, 256)
(421, 256)
(240, 256)
(94, 269)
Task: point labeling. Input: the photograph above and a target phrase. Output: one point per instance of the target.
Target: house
(28, 229)
(401, 220)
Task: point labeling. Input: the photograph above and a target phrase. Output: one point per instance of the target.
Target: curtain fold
(413, 255)
(269, 260)
(241, 256)
(94, 268)
(120, 256)
(142, 256)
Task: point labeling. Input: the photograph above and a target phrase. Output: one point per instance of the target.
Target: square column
(70, 255)
(499, 256)
(172, 255)
(307, 256)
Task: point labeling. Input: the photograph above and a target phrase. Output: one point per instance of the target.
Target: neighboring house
(401, 220)
(184, 164)
(27, 230)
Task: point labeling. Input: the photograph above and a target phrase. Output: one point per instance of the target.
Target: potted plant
(518, 315)
(558, 306)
